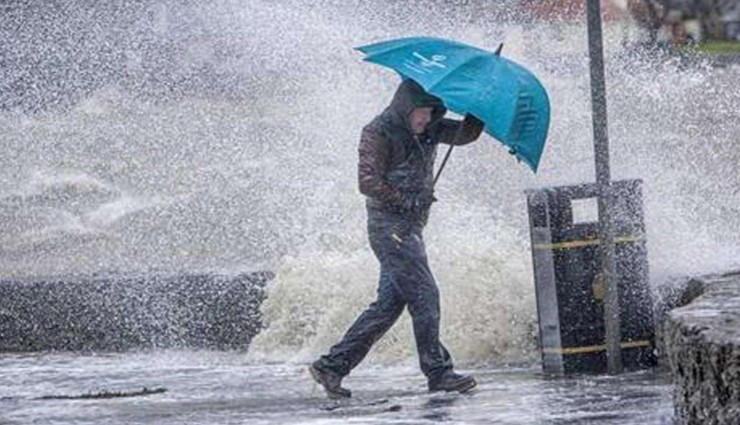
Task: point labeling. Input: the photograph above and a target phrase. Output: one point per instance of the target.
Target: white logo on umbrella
(435, 60)
(423, 64)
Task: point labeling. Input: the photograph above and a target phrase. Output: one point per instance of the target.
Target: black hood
(410, 95)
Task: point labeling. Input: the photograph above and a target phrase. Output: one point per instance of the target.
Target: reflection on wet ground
(217, 387)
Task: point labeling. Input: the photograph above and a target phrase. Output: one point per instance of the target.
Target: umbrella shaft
(441, 167)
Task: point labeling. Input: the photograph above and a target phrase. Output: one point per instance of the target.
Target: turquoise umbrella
(508, 98)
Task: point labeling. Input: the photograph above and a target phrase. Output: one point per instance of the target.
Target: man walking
(396, 174)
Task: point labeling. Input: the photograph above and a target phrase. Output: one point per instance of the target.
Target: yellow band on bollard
(594, 348)
(579, 244)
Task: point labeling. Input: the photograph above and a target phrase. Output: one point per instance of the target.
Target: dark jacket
(395, 164)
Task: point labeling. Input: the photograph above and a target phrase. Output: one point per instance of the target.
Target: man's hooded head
(409, 96)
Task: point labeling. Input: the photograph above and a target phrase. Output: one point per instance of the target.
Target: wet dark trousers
(405, 281)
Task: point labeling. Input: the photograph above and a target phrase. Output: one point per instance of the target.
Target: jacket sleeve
(373, 165)
(470, 129)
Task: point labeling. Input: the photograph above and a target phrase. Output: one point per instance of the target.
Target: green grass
(719, 46)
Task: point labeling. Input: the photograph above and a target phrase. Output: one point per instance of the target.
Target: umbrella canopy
(508, 98)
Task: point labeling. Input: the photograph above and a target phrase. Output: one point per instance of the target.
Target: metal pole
(603, 182)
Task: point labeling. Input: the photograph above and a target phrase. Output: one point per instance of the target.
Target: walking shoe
(451, 381)
(332, 382)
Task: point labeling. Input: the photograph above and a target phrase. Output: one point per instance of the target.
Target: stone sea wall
(702, 344)
(120, 312)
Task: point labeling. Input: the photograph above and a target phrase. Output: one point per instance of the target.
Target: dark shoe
(451, 381)
(331, 381)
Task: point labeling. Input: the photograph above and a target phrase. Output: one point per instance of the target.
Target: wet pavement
(207, 387)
